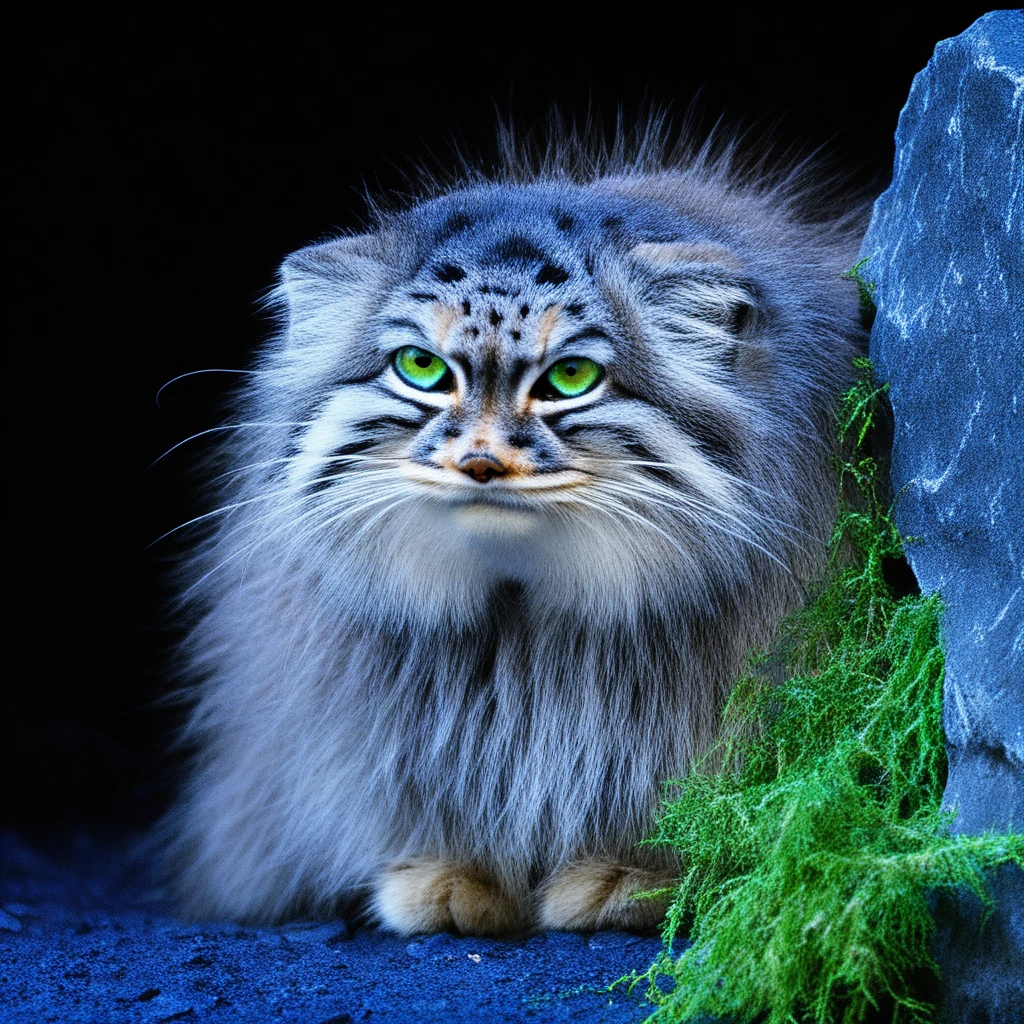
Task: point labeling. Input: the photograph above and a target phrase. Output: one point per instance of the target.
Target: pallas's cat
(528, 468)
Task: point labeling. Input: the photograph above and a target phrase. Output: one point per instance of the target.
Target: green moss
(812, 838)
(865, 288)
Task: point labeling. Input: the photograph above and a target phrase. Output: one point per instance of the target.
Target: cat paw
(425, 895)
(591, 895)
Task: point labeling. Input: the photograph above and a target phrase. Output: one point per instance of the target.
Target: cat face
(562, 385)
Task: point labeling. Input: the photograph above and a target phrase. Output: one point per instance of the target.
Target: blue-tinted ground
(81, 940)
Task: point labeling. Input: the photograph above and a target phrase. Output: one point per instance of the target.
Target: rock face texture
(946, 253)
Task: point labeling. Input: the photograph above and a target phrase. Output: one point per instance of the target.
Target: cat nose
(481, 467)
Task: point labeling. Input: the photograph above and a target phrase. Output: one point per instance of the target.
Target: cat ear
(337, 262)
(708, 279)
(327, 290)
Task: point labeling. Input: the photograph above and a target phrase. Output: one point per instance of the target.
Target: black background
(160, 175)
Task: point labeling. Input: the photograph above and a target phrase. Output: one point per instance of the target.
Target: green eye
(569, 378)
(421, 369)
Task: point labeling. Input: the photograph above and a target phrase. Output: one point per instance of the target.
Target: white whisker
(705, 520)
(729, 478)
(703, 508)
(195, 373)
(288, 524)
(290, 489)
(222, 428)
(612, 507)
(292, 459)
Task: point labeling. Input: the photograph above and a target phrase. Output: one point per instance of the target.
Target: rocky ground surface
(81, 940)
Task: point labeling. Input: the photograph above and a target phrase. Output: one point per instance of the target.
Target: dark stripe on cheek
(574, 428)
(552, 419)
(425, 407)
(313, 410)
(642, 453)
(353, 448)
(627, 431)
(344, 382)
(632, 445)
(718, 439)
(337, 464)
(405, 423)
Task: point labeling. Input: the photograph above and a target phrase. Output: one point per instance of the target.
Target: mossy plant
(812, 837)
(865, 288)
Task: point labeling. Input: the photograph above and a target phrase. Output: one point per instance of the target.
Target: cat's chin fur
(498, 529)
(456, 706)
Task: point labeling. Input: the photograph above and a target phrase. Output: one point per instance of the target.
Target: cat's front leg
(589, 895)
(433, 895)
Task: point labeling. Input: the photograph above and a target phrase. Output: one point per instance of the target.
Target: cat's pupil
(424, 361)
(570, 369)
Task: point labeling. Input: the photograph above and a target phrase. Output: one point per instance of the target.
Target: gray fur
(380, 670)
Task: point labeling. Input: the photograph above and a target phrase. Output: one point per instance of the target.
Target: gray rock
(981, 960)
(946, 248)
